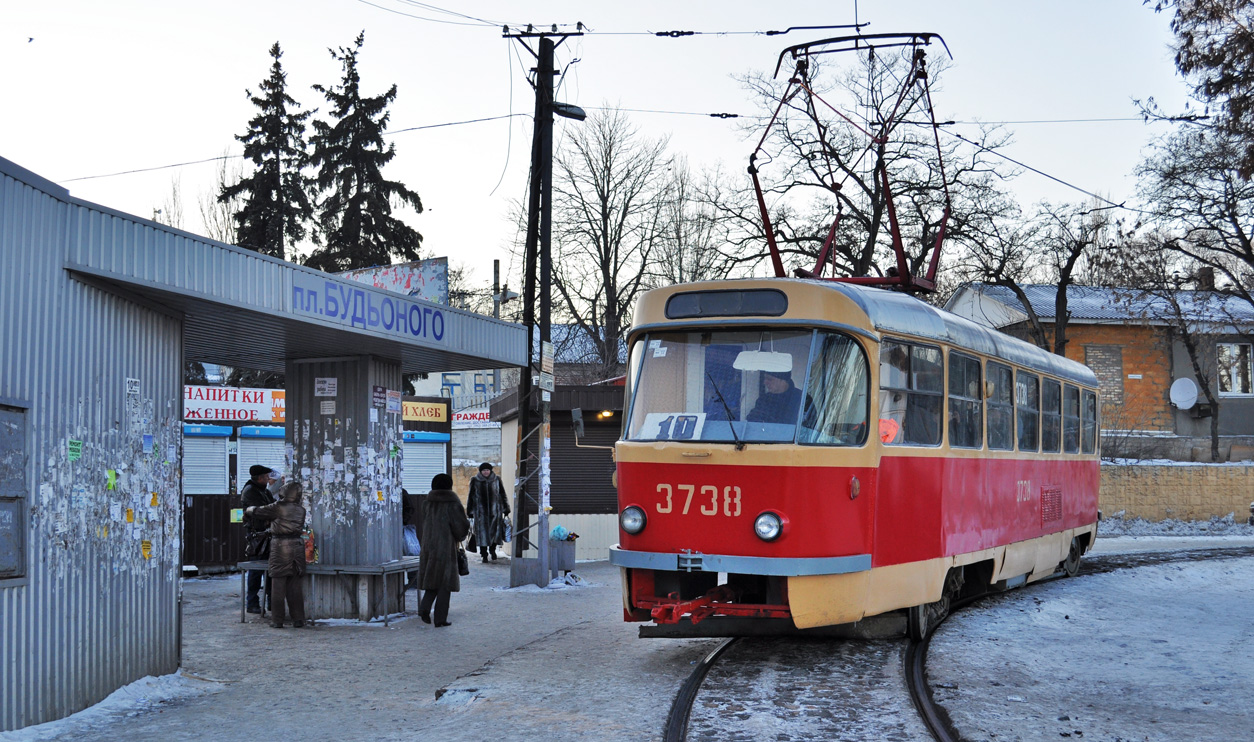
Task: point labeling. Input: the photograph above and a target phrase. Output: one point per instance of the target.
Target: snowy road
(1155, 653)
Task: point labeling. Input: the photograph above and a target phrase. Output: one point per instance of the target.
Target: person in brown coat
(287, 553)
(444, 526)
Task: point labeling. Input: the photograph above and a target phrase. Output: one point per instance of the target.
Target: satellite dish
(1183, 393)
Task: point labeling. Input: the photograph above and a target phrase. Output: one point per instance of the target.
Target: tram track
(862, 659)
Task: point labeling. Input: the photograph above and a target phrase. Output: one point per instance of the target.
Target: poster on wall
(477, 417)
(209, 403)
(421, 279)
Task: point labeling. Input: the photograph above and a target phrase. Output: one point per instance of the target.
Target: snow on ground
(570, 580)
(146, 695)
(1117, 525)
(1155, 653)
(1171, 462)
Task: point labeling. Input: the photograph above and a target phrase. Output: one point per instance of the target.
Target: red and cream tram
(803, 453)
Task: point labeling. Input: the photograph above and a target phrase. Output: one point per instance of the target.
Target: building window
(1107, 363)
(1234, 368)
(912, 393)
(966, 419)
(13, 457)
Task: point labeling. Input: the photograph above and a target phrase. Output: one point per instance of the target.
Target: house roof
(997, 306)
(571, 344)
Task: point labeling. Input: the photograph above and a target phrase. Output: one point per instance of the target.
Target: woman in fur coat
(489, 506)
(444, 526)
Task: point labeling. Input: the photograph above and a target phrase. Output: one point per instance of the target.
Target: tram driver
(779, 400)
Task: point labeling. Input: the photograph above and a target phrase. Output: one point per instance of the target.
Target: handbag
(258, 546)
(463, 564)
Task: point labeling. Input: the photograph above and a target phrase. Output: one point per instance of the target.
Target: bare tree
(693, 236)
(463, 294)
(217, 216)
(609, 206)
(1161, 291)
(1056, 245)
(1193, 182)
(170, 212)
(821, 168)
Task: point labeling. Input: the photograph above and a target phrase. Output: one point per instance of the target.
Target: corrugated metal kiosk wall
(94, 603)
(98, 309)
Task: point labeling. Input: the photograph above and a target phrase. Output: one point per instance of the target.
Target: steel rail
(677, 720)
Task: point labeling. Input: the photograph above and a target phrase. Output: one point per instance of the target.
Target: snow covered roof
(571, 344)
(997, 306)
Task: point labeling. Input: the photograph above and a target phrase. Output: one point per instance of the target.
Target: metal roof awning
(262, 335)
(242, 308)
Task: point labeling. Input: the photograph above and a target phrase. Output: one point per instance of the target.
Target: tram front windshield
(757, 386)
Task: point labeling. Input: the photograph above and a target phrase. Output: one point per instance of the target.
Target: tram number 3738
(730, 496)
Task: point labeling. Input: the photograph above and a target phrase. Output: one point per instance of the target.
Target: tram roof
(898, 313)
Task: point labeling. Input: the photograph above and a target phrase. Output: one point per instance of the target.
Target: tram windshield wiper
(731, 419)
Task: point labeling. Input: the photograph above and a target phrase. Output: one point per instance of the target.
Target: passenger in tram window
(922, 424)
(892, 415)
(779, 401)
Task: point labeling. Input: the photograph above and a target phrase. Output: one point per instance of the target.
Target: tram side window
(1001, 430)
(966, 420)
(1028, 410)
(1070, 419)
(836, 398)
(1051, 416)
(1089, 418)
(911, 394)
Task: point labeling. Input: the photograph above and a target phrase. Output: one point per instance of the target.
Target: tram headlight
(768, 526)
(632, 520)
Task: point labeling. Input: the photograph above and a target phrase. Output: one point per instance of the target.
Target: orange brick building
(1132, 341)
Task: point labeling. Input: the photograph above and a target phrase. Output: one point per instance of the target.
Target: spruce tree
(356, 213)
(276, 204)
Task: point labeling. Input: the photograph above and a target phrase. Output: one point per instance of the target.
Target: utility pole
(533, 413)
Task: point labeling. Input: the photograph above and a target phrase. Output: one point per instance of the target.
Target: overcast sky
(94, 88)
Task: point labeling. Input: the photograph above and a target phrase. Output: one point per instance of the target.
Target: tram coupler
(697, 610)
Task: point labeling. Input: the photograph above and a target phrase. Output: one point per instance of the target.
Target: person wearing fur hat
(489, 506)
(779, 400)
(444, 526)
(287, 553)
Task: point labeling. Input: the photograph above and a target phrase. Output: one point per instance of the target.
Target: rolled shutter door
(423, 460)
(205, 469)
(271, 452)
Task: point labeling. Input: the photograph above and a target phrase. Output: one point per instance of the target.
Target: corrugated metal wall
(350, 465)
(99, 604)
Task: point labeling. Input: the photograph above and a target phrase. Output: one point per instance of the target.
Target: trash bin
(561, 555)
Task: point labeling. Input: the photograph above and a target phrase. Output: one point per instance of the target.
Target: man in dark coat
(444, 526)
(287, 552)
(779, 401)
(256, 533)
(489, 506)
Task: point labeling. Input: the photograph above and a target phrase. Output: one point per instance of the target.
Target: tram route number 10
(684, 426)
(730, 496)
